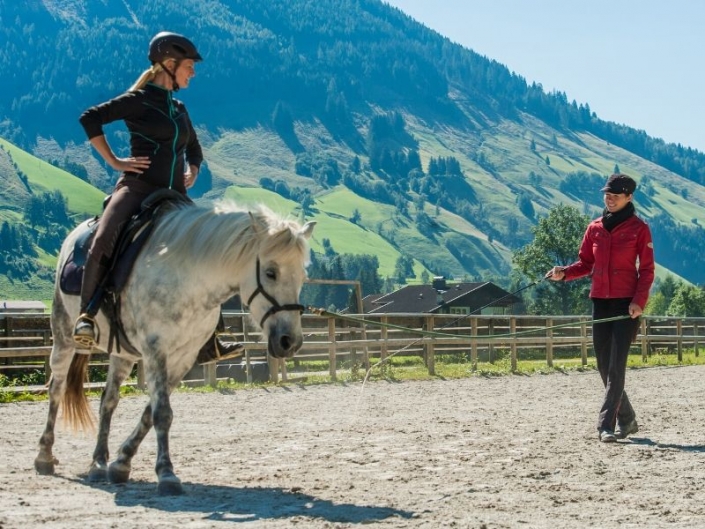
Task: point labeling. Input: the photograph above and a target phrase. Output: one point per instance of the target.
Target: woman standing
(618, 253)
(164, 154)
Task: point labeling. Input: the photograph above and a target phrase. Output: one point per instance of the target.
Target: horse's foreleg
(119, 470)
(118, 371)
(162, 416)
(45, 460)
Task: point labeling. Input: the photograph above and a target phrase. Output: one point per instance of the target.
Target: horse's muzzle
(283, 345)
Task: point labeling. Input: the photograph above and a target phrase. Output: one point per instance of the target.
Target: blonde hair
(148, 75)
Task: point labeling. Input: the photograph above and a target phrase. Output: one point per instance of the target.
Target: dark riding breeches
(125, 202)
(611, 341)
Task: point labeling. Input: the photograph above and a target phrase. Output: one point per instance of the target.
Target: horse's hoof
(169, 485)
(45, 468)
(98, 473)
(118, 473)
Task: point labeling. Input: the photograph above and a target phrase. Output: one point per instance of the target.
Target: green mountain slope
(84, 200)
(23, 177)
(352, 102)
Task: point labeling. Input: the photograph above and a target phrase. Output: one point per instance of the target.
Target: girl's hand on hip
(137, 164)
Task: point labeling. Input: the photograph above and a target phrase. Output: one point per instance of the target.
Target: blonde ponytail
(148, 75)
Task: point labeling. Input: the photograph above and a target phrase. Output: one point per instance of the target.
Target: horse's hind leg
(45, 461)
(118, 371)
(61, 355)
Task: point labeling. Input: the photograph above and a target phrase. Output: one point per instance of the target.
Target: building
(444, 298)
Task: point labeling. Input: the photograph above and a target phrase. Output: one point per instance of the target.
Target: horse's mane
(227, 233)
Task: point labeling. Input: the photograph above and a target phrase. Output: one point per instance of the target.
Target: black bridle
(276, 307)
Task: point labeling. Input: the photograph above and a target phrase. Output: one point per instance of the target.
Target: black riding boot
(86, 332)
(215, 349)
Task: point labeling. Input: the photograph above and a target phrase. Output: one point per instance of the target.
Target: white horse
(196, 258)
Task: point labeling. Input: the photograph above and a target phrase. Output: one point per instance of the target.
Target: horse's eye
(271, 274)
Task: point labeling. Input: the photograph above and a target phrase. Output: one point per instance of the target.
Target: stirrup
(219, 351)
(228, 350)
(86, 341)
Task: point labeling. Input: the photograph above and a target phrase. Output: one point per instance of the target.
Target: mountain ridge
(320, 97)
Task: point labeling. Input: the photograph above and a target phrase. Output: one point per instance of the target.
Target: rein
(437, 334)
(276, 307)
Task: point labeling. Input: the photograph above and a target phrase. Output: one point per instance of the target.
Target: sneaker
(84, 333)
(216, 350)
(607, 436)
(623, 430)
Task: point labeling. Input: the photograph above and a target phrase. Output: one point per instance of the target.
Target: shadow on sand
(643, 441)
(245, 504)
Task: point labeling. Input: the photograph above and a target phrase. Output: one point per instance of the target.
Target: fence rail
(25, 341)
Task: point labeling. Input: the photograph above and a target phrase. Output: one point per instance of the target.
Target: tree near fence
(688, 300)
(556, 242)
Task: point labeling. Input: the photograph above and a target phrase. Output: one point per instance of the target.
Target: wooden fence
(25, 342)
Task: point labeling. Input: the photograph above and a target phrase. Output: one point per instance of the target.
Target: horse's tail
(77, 413)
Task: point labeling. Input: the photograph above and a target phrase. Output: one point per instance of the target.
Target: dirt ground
(514, 451)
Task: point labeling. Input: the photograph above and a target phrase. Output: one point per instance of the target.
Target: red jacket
(621, 262)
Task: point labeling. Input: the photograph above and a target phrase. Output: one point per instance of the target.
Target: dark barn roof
(425, 298)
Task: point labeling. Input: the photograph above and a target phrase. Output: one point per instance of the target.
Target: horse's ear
(256, 224)
(307, 230)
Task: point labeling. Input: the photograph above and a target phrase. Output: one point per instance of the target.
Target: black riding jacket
(160, 129)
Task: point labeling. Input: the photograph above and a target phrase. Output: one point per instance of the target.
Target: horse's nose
(285, 342)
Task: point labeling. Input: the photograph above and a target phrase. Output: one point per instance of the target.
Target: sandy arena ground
(514, 451)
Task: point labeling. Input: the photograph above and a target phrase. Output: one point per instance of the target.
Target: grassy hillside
(240, 160)
(382, 232)
(21, 176)
(83, 199)
(315, 82)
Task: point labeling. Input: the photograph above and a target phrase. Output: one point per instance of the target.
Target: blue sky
(637, 62)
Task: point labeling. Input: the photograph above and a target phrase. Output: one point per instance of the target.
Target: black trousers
(611, 341)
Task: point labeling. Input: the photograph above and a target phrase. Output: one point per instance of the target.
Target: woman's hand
(190, 176)
(556, 274)
(137, 164)
(634, 310)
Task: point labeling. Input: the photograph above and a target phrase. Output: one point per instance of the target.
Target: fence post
(384, 348)
(430, 347)
(282, 368)
(209, 374)
(695, 339)
(644, 340)
(679, 340)
(513, 330)
(473, 343)
(352, 355)
(47, 362)
(141, 384)
(490, 342)
(583, 341)
(331, 349)
(549, 342)
(361, 313)
(273, 374)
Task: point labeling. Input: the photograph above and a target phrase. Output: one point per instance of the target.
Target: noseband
(276, 307)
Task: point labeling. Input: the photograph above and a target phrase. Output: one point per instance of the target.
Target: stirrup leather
(85, 341)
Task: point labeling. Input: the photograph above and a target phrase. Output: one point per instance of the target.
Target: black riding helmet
(168, 45)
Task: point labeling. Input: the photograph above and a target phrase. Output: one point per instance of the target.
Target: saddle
(130, 242)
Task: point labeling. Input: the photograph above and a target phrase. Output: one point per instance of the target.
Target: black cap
(619, 183)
